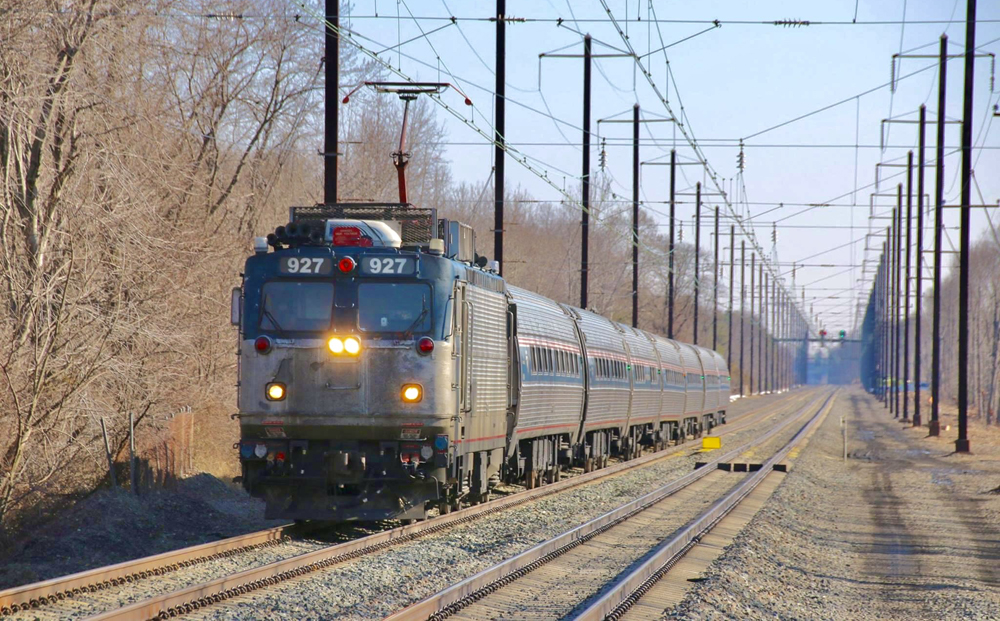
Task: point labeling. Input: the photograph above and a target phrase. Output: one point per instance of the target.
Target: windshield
(289, 306)
(394, 307)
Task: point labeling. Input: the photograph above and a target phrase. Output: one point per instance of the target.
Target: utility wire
(518, 157)
(689, 137)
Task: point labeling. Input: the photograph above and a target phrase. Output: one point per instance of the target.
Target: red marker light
(262, 344)
(425, 345)
(280, 456)
(346, 264)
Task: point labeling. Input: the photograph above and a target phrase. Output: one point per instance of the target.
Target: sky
(807, 101)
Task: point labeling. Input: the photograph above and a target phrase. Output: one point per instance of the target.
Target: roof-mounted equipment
(407, 91)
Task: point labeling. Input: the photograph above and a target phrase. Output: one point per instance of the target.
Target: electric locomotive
(386, 371)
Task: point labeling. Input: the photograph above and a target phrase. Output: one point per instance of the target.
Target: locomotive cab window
(289, 306)
(394, 307)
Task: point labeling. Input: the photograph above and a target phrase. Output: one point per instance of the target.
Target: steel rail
(41, 593)
(613, 603)
(458, 596)
(197, 596)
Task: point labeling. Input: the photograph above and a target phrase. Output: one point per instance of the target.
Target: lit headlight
(348, 344)
(275, 391)
(352, 345)
(412, 393)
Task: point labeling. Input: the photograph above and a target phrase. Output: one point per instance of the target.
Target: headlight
(352, 345)
(275, 392)
(347, 344)
(412, 393)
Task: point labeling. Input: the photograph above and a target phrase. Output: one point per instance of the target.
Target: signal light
(275, 391)
(262, 344)
(412, 393)
(425, 345)
(280, 456)
(843, 334)
(346, 265)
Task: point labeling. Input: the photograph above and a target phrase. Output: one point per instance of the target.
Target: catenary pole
(499, 123)
(899, 281)
(763, 326)
(891, 356)
(906, 287)
(920, 265)
(773, 342)
(883, 325)
(635, 216)
(962, 443)
(585, 195)
(715, 287)
(743, 297)
(732, 257)
(331, 107)
(697, 256)
(670, 257)
(934, 427)
(753, 297)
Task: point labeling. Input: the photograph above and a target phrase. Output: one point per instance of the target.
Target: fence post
(133, 475)
(190, 446)
(107, 453)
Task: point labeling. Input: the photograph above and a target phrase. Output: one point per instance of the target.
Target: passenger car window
(290, 306)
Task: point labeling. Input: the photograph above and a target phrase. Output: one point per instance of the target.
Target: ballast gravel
(378, 584)
(903, 529)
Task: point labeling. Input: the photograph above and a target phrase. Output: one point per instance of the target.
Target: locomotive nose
(349, 375)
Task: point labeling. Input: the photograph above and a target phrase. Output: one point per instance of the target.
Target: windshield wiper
(419, 318)
(269, 316)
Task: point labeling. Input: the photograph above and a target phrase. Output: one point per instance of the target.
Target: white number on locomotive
(387, 265)
(304, 265)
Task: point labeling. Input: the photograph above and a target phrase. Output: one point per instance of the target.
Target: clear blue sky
(734, 81)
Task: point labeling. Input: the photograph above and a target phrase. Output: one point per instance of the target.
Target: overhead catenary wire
(519, 157)
(646, 203)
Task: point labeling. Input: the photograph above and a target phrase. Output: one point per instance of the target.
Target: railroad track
(617, 558)
(127, 575)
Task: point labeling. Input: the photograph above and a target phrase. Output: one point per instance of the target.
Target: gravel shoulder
(903, 529)
(109, 527)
